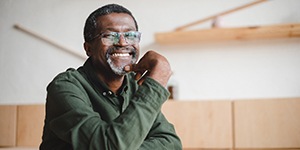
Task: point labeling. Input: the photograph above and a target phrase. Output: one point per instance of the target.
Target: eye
(131, 35)
(109, 35)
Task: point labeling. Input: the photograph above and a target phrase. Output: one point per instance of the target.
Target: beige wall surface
(213, 70)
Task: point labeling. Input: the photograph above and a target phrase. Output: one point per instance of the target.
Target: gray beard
(119, 70)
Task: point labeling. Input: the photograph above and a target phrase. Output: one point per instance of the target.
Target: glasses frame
(116, 37)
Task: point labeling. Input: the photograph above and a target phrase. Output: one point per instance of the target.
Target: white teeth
(120, 54)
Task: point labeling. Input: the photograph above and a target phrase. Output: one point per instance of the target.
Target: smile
(121, 54)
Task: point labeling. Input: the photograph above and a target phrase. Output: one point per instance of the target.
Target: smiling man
(112, 102)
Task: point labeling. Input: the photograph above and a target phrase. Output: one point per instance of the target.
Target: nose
(122, 41)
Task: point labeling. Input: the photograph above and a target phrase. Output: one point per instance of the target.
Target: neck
(113, 81)
(107, 76)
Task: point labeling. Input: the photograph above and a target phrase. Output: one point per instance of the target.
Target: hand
(152, 65)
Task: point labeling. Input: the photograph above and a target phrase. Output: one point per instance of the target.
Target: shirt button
(104, 93)
(110, 93)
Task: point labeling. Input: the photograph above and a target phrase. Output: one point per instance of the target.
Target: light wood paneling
(19, 148)
(201, 124)
(30, 125)
(267, 123)
(239, 125)
(8, 115)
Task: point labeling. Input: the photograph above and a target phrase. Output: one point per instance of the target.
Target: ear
(88, 48)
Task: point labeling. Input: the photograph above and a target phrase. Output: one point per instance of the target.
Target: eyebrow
(114, 29)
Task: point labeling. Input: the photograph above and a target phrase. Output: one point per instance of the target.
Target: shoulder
(64, 79)
(69, 74)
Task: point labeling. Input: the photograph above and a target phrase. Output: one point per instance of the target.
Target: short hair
(90, 27)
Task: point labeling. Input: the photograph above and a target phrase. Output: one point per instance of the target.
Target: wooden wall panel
(201, 124)
(30, 125)
(8, 115)
(267, 123)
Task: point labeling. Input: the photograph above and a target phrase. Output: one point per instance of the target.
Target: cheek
(99, 55)
(101, 51)
(137, 48)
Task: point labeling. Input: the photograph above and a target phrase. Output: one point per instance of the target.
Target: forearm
(162, 136)
(131, 128)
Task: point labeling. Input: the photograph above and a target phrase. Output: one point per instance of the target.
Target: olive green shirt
(83, 114)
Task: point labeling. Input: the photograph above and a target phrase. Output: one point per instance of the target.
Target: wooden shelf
(221, 34)
(183, 36)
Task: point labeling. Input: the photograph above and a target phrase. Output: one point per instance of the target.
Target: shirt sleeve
(71, 118)
(162, 136)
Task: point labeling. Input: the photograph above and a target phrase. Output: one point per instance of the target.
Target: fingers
(153, 65)
(143, 77)
(140, 73)
(138, 76)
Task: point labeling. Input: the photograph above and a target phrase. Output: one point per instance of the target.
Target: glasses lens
(110, 38)
(132, 37)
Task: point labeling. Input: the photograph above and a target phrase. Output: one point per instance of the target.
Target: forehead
(116, 22)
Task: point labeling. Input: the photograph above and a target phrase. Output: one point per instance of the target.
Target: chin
(119, 69)
(120, 73)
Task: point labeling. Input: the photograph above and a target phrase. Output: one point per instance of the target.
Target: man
(111, 102)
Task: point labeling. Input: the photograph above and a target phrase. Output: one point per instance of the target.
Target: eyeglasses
(110, 38)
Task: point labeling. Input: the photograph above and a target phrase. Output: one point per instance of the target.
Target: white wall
(216, 70)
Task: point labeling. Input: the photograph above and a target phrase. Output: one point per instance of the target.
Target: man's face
(113, 57)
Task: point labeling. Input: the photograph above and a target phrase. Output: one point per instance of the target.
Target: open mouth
(122, 55)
